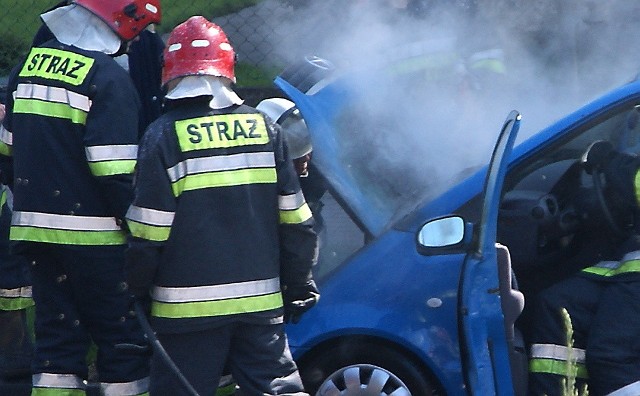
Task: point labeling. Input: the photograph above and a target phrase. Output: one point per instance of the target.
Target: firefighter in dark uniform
(70, 143)
(15, 298)
(221, 233)
(602, 302)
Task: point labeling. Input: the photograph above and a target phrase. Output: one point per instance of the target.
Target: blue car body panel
(386, 290)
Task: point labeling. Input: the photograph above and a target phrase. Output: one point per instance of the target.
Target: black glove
(298, 300)
(597, 156)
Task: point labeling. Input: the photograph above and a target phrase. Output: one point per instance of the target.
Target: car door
(485, 350)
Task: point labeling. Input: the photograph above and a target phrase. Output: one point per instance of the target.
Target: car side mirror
(441, 234)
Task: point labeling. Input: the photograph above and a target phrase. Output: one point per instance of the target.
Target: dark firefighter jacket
(623, 179)
(15, 283)
(220, 216)
(71, 129)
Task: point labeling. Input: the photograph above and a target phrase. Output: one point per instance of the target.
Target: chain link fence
(585, 35)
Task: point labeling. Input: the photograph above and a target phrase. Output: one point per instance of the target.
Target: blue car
(423, 283)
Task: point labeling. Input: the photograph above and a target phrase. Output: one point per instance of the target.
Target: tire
(364, 369)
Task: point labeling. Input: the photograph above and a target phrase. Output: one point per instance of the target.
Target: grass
(18, 25)
(569, 387)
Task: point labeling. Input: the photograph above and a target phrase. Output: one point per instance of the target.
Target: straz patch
(221, 131)
(54, 64)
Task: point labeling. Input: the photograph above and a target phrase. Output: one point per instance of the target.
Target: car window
(549, 212)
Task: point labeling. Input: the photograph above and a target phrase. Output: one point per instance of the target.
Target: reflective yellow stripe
(3, 198)
(5, 150)
(54, 64)
(217, 308)
(67, 237)
(224, 179)
(221, 131)
(149, 232)
(57, 392)
(14, 304)
(558, 367)
(624, 268)
(48, 109)
(636, 184)
(297, 216)
(109, 168)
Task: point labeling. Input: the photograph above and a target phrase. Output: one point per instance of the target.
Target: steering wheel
(597, 175)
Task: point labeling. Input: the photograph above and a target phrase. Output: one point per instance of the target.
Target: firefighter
(16, 302)
(298, 139)
(69, 142)
(220, 230)
(602, 300)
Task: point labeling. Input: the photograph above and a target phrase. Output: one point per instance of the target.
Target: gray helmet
(296, 134)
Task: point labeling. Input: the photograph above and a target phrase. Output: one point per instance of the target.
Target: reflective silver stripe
(632, 389)
(150, 216)
(46, 380)
(17, 293)
(125, 388)
(221, 163)
(6, 136)
(291, 202)
(557, 352)
(111, 152)
(608, 264)
(53, 94)
(216, 292)
(635, 255)
(64, 222)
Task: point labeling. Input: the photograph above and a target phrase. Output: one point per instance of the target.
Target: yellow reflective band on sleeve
(49, 109)
(625, 267)
(3, 198)
(54, 64)
(636, 185)
(558, 367)
(493, 65)
(67, 237)
(14, 304)
(218, 307)
(5, 150)
(224, 179)
(296, 216)
(56, 392)
(221, 131)
(110, 168)
(148, 232)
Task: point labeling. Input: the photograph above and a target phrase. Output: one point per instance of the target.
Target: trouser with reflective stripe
(257, 355)
(80, 297)
(605, 317)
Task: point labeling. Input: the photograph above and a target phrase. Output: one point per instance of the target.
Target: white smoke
(559, 54)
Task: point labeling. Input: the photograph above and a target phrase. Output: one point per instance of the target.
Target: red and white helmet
(198, 47)
(127, 18)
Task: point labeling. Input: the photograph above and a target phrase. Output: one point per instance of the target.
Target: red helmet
(198, 47)
(126, 17)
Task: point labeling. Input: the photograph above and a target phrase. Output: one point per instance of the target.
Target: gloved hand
(597, 155)
(298, 300)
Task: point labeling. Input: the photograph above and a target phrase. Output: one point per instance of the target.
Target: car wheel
(364, 369)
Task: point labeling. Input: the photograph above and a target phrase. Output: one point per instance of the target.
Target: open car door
(486, 345)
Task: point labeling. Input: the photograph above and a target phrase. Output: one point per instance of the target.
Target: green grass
(20, 20)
